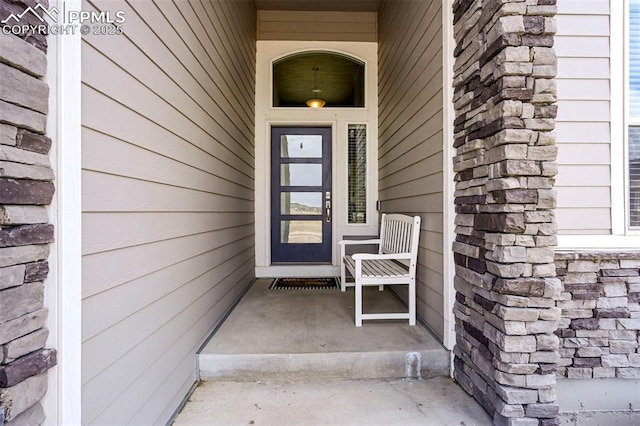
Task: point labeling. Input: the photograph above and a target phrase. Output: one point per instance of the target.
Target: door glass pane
(301, 146)
(301, 203)
(301, 174)
(301, 231)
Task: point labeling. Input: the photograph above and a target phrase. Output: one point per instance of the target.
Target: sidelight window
(357, 172)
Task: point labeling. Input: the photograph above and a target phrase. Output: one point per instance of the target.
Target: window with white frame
(330, 79)
(357, 173)
(633, 113)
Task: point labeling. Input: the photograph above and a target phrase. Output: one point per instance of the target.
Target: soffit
(320, 5)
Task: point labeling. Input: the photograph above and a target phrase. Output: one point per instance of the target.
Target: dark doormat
(304, 284)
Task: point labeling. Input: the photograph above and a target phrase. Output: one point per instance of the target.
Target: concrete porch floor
(293, 334)
(296, 357)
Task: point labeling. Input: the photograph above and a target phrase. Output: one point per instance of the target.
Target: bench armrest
(343, 249)
(351, 242)
(367, 256)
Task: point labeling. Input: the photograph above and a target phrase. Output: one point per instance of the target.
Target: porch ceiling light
(315, 102)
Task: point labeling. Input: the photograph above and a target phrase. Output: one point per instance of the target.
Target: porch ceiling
(320, 5)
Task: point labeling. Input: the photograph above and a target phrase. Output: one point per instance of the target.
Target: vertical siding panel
(410, 135)
(583, 122)
(168, 188)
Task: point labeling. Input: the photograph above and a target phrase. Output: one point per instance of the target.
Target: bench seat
(377, 268)
(395, 263)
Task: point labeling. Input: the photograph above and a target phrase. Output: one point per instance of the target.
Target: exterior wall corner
(505, 104)
(26, 189)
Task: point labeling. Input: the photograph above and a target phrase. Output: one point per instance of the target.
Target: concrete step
(335, 365)
(310, 334)
(389, 402)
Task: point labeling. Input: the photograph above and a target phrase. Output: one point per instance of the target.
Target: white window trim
(620, 121)
(370, 208)
(598, 242)
(617, 122)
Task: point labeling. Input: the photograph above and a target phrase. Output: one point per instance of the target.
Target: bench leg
(380, 288)
(412, 302)
(343, 272)
(358, 304)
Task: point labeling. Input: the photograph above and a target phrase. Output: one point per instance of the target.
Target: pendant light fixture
(315, 102)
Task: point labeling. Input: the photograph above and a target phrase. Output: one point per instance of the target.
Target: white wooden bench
(395, 263)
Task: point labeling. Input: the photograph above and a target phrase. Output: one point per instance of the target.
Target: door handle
(328, 215)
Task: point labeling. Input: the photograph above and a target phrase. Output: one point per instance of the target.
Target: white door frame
(338, 119)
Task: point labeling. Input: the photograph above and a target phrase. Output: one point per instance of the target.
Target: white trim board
(598, 242)
(307, 271)
(63, 290)
(617, 122)
(448, 185)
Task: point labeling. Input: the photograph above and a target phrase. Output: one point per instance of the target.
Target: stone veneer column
(26, 187)
(505, 94)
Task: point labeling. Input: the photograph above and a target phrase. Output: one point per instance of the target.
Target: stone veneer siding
(600, 326)
(26, 187)
(506, 351)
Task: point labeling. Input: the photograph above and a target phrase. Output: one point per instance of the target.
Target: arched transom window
(334, 79)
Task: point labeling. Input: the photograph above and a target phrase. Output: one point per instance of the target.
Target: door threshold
(297, 270)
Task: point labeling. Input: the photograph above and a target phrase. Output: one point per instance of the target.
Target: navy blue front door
(301, 194)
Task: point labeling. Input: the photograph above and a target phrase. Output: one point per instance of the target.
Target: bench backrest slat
(399, 234)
